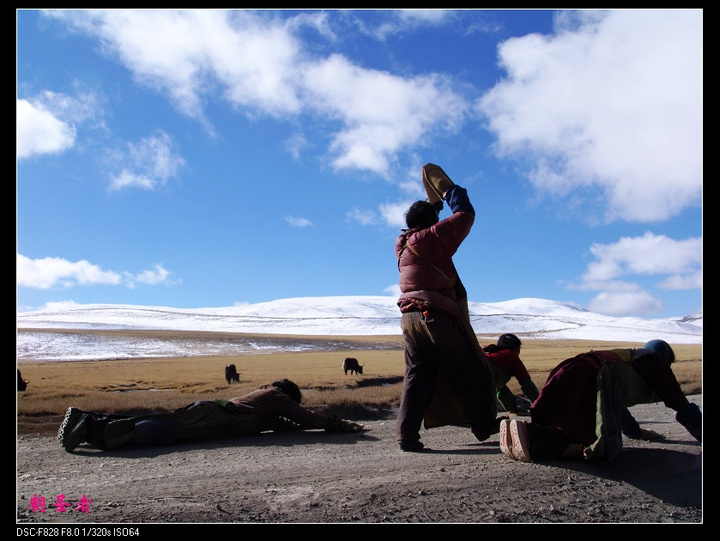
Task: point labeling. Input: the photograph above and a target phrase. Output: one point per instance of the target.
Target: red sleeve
(446, 235)
(511, 364)
(431, 250)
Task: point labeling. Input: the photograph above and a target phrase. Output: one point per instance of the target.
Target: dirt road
(317, 477)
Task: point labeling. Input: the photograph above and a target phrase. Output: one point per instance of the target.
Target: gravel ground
(315, 477)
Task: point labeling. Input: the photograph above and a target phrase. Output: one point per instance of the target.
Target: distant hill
(346, 316)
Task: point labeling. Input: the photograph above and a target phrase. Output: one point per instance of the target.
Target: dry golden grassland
(143, 385)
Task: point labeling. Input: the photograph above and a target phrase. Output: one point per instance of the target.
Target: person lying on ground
(273, 407)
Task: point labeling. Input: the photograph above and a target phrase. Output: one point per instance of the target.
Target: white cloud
(612, 103)
(396, 22)
(298, 221)
(647, 255)
(61, 305)
(393, 214)
(157, 275)
(382, 113)
(54, 272)
(295, 144)
(255, 62)
(688, 281)
(47, 122)
(626, 303)
(40, 132)
(679, 262)
(388, 214)
(51, 272)
(363, 217)
(393, 290)
(147, 165)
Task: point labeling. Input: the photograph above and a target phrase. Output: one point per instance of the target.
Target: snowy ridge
(318, 316)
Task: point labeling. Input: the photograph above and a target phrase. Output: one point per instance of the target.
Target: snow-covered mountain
(329, 316)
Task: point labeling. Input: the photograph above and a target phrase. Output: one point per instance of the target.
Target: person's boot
(436, 182)
(74, 430)
(411, 446)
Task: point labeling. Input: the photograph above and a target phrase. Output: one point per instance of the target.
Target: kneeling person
(582, 409)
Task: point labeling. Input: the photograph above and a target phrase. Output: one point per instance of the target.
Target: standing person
(580, 411)
(273, 407)
(441, 350)
(505, 363)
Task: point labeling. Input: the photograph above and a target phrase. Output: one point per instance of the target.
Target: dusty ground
(317, 477)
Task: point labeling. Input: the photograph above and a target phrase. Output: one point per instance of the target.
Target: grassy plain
(154, 384)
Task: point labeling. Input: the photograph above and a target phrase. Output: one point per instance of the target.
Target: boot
(74, 430)
(436, 182)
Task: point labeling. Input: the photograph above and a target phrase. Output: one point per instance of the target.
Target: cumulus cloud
(39, 131)
(608, 107)
(649, 255)
(625, 303)
(55, 272)
(677, 264)
(382, 113)
(256, 63)
(606, 110)
(47, 122)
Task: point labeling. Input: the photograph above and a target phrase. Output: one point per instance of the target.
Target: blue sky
(211, 158)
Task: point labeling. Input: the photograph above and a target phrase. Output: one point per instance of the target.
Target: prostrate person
(274, 407)
(582, 407)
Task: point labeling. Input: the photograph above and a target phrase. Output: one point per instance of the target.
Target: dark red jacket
(426, 264)
(569, 402)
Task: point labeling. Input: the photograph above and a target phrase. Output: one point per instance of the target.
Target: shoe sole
(72, 417)
(520, 440)
(506, 442)
(413, 448)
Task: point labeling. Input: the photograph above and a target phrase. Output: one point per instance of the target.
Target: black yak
(231, 374)
(22, 384)
(350, 364)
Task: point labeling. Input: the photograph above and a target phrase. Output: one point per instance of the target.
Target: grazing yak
(22, 384)
(231, 374)
(350, 364)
